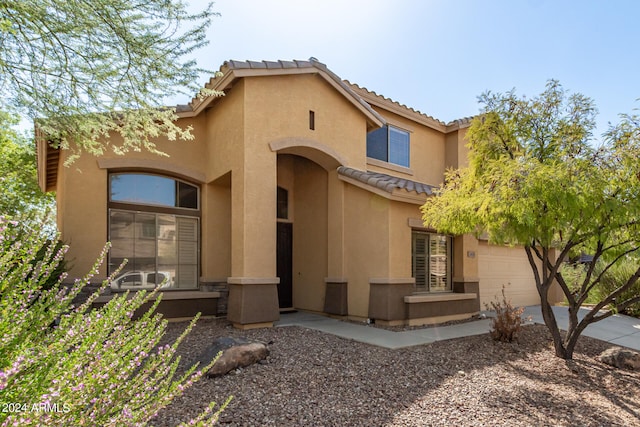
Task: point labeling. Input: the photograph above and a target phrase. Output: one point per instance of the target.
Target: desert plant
(65, 365)
(507, 324)
(616, 277)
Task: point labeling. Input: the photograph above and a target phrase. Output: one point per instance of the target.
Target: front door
(284, 263)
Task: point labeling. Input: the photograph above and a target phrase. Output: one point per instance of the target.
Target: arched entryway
(306, 193)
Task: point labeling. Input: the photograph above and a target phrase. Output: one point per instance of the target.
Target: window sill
(447, 296)
(390, 166)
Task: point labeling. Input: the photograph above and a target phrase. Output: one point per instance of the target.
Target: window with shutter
(431, 261)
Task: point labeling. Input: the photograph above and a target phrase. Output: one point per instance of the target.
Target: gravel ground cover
(316, 379)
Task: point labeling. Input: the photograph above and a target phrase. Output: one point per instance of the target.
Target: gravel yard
(316, 379)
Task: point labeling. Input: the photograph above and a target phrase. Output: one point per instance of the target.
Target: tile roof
(386, 182)
(360, 95)
(243, 65)
(373, 94)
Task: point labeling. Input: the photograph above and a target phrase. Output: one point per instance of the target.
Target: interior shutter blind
(187, 236)
(419, 260)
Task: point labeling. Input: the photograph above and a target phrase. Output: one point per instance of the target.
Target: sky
(438, 56)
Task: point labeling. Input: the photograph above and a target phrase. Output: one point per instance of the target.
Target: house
(300, 191)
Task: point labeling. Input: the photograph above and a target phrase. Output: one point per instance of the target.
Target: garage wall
(509, 266)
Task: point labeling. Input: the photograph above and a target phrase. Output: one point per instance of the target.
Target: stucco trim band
(336, 280)
(253, 280)
(392, 281)
(152, 165)
(449, 296)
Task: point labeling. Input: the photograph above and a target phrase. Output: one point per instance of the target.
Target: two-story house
(300, 191)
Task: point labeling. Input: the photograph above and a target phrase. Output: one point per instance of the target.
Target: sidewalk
(619, 330)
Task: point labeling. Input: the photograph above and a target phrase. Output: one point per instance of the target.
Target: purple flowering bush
(62, 365)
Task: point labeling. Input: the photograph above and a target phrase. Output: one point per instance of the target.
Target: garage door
(501, 265)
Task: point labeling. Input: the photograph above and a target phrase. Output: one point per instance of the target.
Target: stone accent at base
(220, 286)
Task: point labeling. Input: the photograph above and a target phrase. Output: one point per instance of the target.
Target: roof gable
(232, 70)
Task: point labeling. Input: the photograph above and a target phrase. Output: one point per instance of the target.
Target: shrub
(507, 324)
(615, 277)
(65, 365)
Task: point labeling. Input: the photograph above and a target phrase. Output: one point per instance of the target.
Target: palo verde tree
(20, 196)
(87, 69)
(536, 179)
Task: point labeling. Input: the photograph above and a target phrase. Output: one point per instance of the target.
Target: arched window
(154, 224)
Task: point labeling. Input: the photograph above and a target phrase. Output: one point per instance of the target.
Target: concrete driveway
(618, 329)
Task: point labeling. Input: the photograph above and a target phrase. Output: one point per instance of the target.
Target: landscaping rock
(236, 353)
(621, 358)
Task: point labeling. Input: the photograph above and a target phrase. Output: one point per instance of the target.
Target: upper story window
(389, 144)
(145, 189)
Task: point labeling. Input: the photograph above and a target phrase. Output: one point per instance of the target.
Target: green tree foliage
(20, 196)
(66, 365)
(89, 69)
(535, 179)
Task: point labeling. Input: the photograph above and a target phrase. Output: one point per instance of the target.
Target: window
(431, 261)
(158, 234)
(282, 208)
(389, 144)
(152, 190)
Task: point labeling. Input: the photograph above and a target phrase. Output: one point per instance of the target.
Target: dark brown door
(284, 263)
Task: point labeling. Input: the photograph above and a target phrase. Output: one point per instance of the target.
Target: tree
(86, 69)
(20, 196)
(535, 179)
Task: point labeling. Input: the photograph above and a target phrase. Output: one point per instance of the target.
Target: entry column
(253, 291)
(335, 301)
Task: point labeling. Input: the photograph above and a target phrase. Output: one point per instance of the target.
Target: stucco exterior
(349, 219)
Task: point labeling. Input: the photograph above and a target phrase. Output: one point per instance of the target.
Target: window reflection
(147, 189)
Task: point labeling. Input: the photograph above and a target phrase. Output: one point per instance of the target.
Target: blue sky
(437, 56)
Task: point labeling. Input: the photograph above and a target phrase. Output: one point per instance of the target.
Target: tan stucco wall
(278, 108)
(82, 213)
(366, 245)
(216, 230)
(456, 153)
(400, 238)
(309, 235)
(508, 266)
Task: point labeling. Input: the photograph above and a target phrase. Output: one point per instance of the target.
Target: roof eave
(396, 194)
(47, 160)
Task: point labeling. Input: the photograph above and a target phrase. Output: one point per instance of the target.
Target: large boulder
(236, 353)
(621, 358)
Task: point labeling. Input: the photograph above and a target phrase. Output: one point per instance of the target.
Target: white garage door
(501, 265)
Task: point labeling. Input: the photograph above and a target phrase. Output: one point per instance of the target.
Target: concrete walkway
(619, 330)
